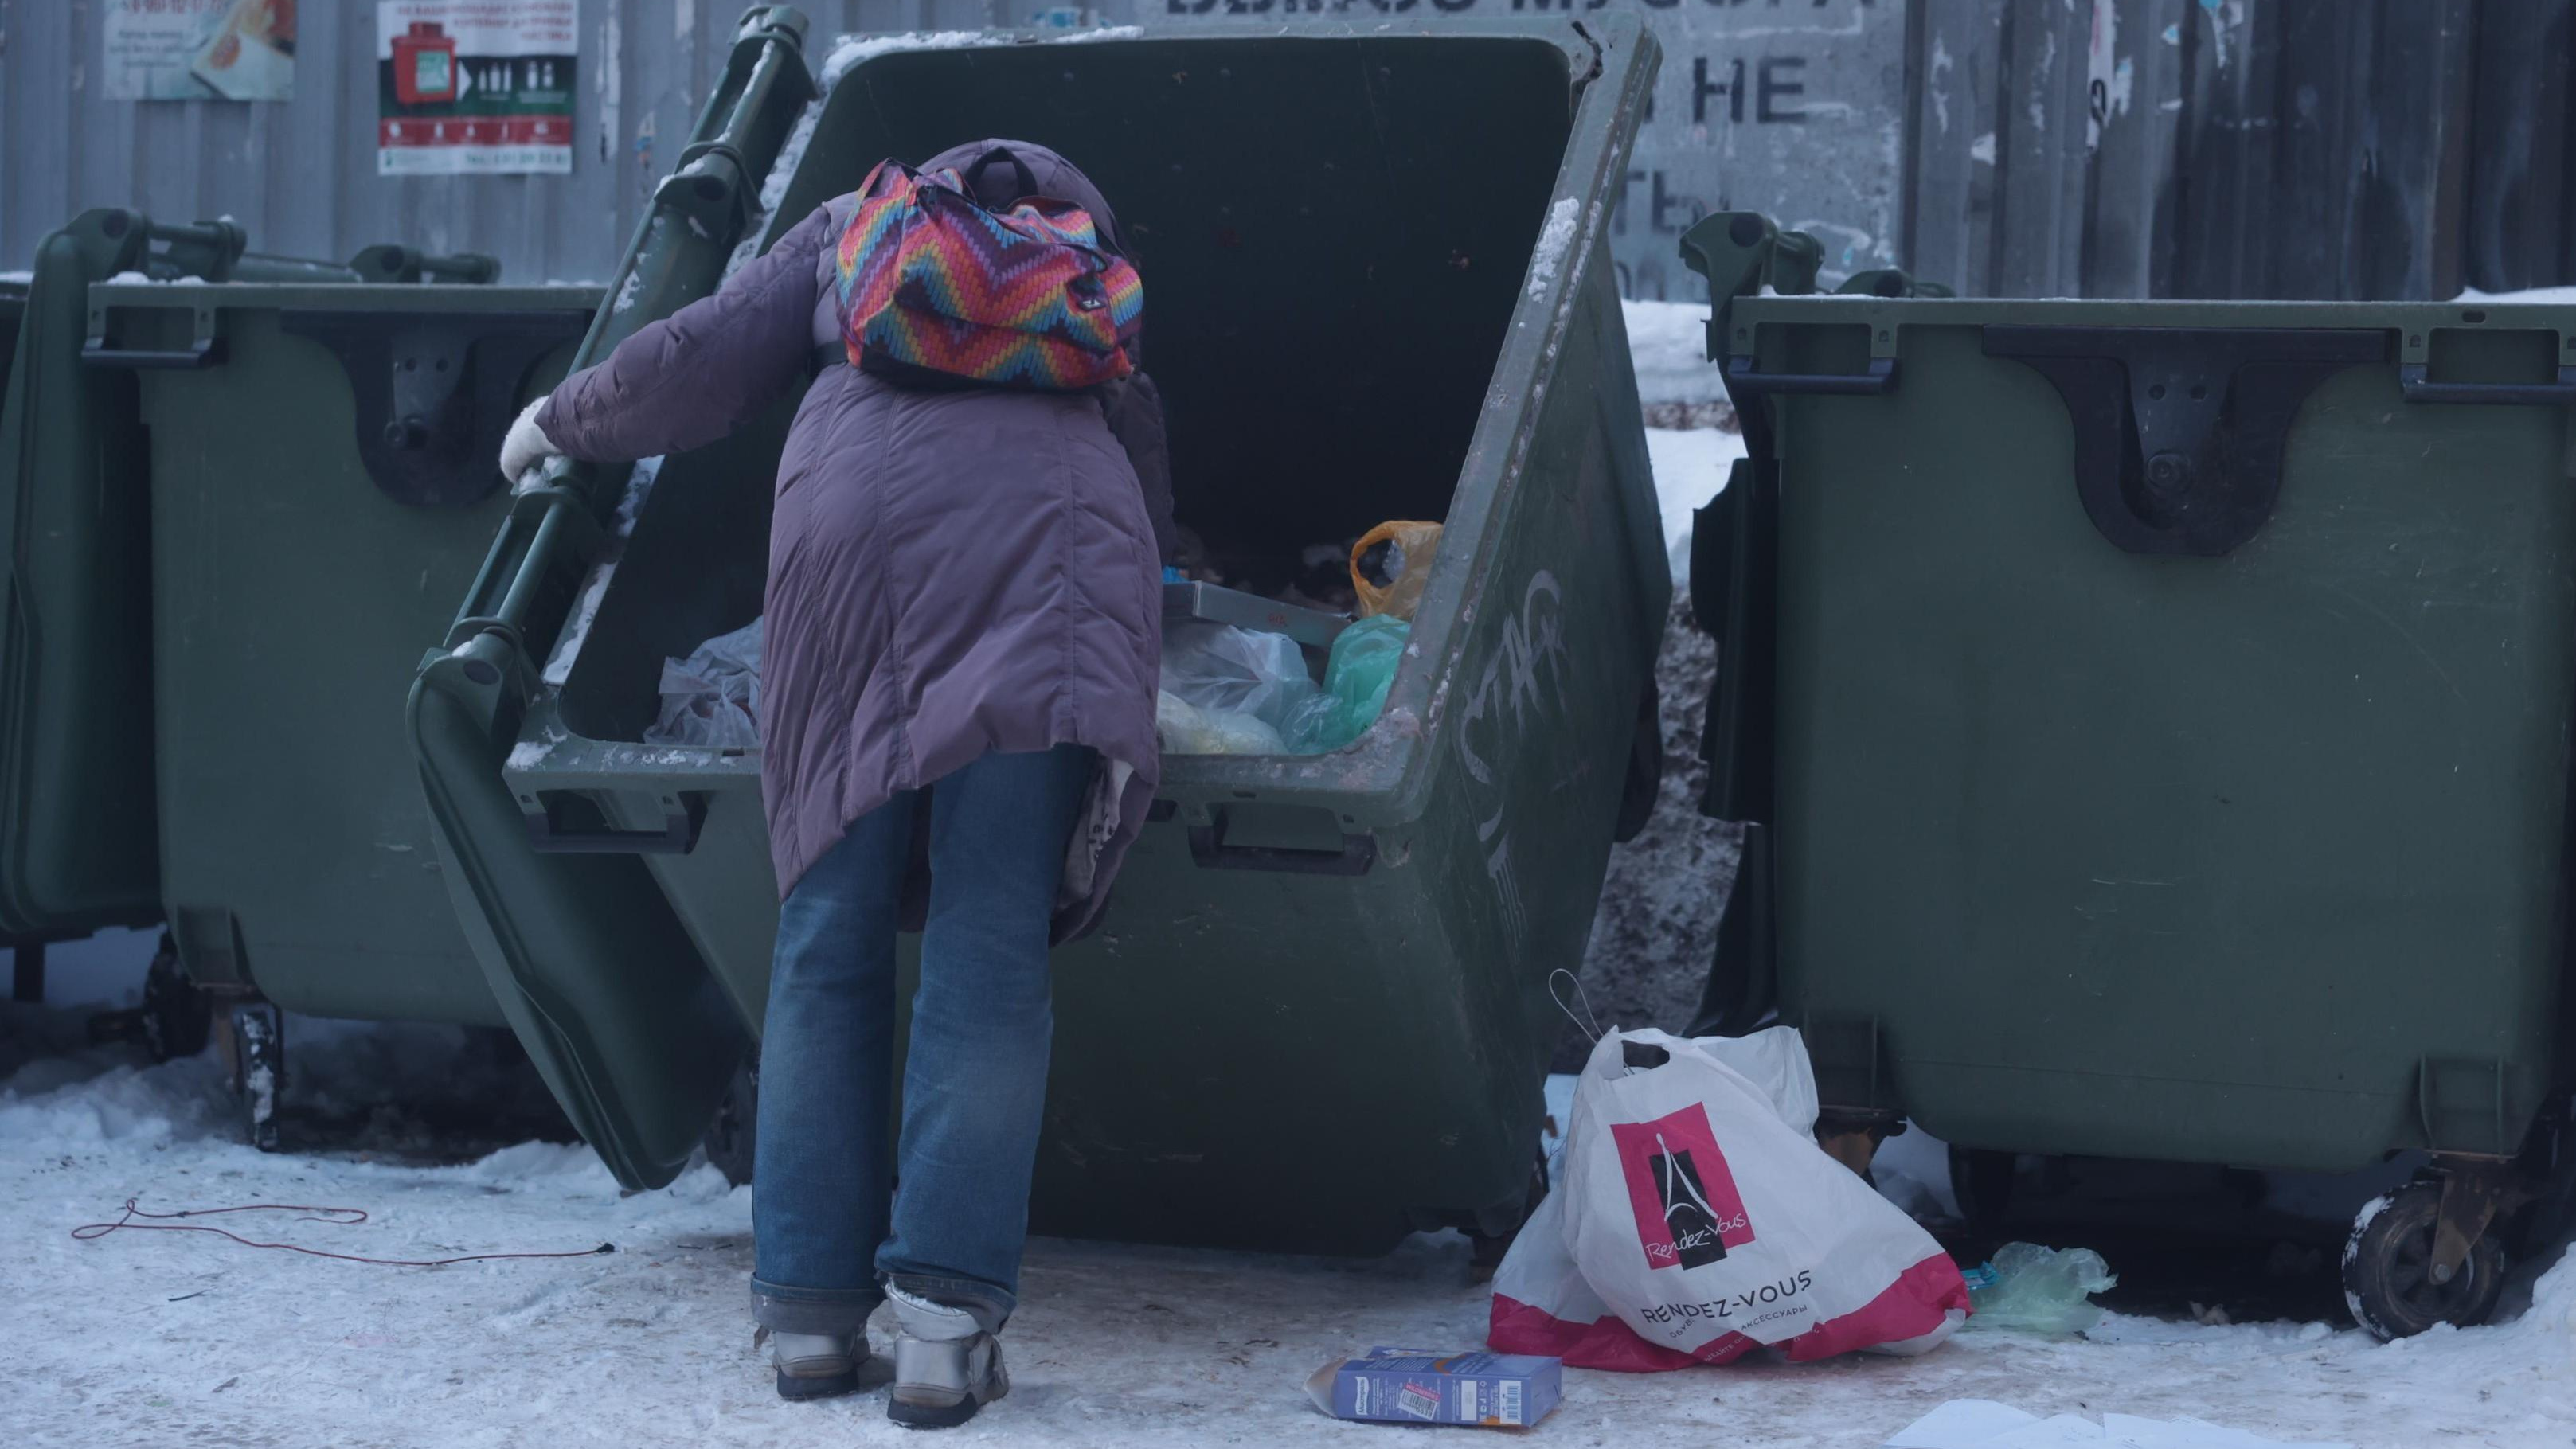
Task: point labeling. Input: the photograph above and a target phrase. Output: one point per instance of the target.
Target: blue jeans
(829, 1229)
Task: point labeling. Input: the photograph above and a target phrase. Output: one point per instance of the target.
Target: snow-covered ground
(165, 1338)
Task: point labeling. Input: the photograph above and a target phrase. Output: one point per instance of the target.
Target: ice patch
(1105, 32)
(577, 624)
(1982, 149)
(628, 291)
(639, 486)
(2533, 297)
(1553, 241)
(849, 50)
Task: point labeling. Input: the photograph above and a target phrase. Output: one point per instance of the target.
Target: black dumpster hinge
(2179, 431)
(435, 392)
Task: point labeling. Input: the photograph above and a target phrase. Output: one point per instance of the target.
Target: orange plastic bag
(1406, 570)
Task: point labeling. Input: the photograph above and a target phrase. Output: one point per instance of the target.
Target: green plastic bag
(2031, 1289)
(1356, 680)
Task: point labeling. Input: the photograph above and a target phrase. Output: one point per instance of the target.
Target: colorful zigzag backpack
(936, 290)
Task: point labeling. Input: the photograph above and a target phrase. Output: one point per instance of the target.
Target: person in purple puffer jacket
(963, 635)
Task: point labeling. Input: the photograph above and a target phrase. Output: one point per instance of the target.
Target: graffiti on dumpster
(1524, 680)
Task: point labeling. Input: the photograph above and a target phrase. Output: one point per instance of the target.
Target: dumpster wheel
(178, 1016)
(2388, 1268)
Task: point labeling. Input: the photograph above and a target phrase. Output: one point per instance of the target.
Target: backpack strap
(1021, 176)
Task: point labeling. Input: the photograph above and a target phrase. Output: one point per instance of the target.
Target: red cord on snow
(336, 1216)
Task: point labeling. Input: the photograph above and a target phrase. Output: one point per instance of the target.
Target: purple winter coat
(951, 574)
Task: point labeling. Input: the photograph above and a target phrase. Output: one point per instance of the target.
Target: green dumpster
(1316, 1015)
(320, 487)
(13, 312)
(77, 848)
(2155, 719)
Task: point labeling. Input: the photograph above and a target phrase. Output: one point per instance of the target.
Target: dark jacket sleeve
(696, 375)
(1135, 409)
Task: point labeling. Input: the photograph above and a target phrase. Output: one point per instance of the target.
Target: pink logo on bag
(1688, 1211)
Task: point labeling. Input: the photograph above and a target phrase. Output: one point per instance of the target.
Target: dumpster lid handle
(2180, 431)
(434, 391)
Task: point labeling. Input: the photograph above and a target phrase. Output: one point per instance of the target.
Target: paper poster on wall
(198, 50)
(474, 87)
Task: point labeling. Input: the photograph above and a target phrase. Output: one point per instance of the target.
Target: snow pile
(1691, 436)
(99, 1097)
(1669, 342)
(1691, 467)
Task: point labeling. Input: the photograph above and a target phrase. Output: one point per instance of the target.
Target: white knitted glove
(527, 445)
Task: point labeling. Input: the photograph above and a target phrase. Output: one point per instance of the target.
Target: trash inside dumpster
(1375, 923)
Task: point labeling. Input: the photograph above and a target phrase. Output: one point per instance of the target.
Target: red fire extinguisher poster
(474, 87)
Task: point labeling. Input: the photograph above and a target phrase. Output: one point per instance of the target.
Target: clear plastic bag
(1221, 667)
(2026, 1288)
(1399, 577)
(712, 698)
(1229, 691)
(1186, 729)
(1355, 687)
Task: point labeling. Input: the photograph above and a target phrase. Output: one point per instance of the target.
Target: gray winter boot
(817, 1365)
(945, 1365)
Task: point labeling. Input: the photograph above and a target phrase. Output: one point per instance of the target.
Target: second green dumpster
(321, 485)
(2155, 717)
(77, 845)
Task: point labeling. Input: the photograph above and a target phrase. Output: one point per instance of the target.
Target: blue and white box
(1413, 1386)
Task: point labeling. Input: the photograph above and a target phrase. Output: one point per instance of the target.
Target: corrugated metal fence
(2242, 148)
(300, 175)
(2226, 148)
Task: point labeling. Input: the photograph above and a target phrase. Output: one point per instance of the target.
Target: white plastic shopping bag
(1698, 1211)
(1541, 1303)
(1543, 1306)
